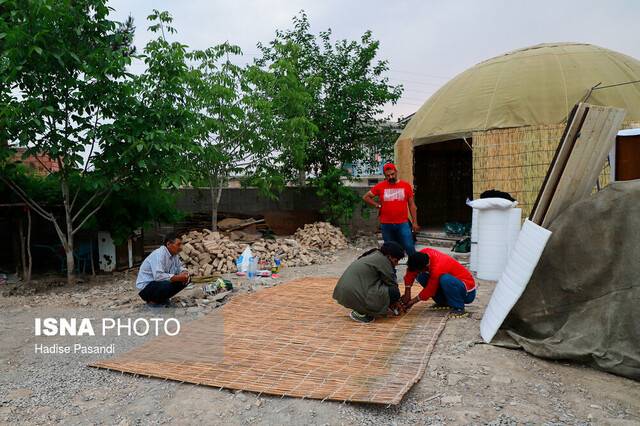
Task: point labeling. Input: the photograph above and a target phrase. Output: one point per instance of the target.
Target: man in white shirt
(161, 275)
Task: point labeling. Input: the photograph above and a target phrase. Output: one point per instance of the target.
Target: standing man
(395, 202)
(444, 279)
(162, 275)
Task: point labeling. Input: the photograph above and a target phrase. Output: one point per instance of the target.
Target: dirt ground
(466, 382)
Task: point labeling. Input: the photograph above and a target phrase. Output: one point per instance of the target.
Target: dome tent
(502, 119)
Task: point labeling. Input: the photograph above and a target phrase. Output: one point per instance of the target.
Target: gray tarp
(583, 300)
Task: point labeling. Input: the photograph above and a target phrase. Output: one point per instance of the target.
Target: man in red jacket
(445, 281)
(395, 202)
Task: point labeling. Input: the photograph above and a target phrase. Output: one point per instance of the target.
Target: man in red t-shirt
(395, 202)
(444, 279)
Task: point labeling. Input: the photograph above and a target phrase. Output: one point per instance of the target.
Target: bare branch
(93, 144)
(42, 164)
(86, 165)
(36, 207)
(30, 202)
(92, 212)
(95, 194)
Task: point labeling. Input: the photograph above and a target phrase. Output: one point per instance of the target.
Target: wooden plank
(586, 155)
(559, 162)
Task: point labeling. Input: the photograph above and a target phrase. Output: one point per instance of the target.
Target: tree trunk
(68, 244)
(214, 205)
(29, 258)
(215, 188)
(93, 268)
(302, 178)
(23, 249)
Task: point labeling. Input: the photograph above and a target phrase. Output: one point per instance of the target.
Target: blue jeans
(400, 233)
(451, 291)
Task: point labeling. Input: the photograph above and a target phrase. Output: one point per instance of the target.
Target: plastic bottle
(240, 272)
(253, 268)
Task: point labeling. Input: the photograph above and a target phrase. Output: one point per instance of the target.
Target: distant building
(42, 164)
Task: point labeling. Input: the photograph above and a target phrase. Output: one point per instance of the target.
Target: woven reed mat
(295, 340)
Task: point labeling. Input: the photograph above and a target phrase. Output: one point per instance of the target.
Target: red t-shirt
(394, 199)
(440, 264)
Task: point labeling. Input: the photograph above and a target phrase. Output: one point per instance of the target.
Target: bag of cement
(491, 203)
(243, 261)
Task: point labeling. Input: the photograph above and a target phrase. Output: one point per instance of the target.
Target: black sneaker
(458, 313)
(363, 318)
(163, 304)
(438, 307)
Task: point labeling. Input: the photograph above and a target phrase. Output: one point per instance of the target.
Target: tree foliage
(305, 108)
(69, 96)
(347, 89)
(344, 88)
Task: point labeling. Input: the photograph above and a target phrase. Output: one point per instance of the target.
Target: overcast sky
(426, 42)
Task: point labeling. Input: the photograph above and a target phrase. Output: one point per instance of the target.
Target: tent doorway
(443, 181)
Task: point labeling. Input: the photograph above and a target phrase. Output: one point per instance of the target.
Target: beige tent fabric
(533, 86)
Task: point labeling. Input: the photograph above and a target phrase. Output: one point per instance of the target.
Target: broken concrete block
(453, 379)
(451, 399)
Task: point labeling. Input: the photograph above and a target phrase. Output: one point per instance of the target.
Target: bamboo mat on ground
(295, 340)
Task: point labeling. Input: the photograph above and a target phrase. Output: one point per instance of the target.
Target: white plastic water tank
(493, 243)
(498, 224)
(473, 259)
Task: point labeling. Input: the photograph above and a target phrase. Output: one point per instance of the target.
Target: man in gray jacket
(369, 285)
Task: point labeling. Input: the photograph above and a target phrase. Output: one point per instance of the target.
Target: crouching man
(444, 279)
(161, 274)
(369, 285)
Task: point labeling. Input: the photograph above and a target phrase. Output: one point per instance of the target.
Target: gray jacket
(364, 285)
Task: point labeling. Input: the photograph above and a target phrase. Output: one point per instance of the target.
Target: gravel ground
(466, 382)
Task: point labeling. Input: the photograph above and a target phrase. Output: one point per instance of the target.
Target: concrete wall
(247, 200)
(291, 209)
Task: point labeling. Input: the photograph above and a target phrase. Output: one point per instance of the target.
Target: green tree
(69, 96)
(252, 120)
(224, 136)
(348, 88)
(340, 201)
(130, 209)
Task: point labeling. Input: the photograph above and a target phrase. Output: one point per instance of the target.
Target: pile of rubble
(322, 236)
(206, 252)
(364, 240)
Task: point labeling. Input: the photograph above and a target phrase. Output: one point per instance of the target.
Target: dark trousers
(394, 294)
(451, 291)
(160, 291)
(400, 233)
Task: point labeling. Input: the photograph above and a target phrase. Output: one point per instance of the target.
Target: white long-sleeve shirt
(160, 265)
